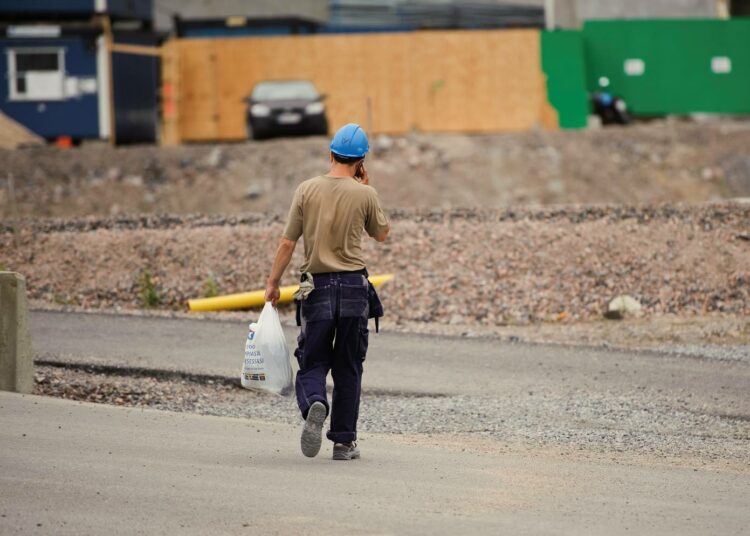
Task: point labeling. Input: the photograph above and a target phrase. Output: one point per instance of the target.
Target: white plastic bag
(266, 366)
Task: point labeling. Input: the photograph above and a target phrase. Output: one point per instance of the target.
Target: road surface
(536, 440)
(78, 468)
(398, 362)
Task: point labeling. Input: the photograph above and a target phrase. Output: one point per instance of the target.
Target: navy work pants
(333, 337)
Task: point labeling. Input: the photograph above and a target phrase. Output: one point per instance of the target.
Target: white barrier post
(16, 365)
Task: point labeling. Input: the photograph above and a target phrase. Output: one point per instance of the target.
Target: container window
(36, 74)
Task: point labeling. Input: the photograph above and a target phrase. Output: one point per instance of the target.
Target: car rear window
(284, 91)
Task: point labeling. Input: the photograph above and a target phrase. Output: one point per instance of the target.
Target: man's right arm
(280, 262)
(288, 242)
(383, 235)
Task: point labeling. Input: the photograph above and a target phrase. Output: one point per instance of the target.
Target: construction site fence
(433, 81)
(463, 81)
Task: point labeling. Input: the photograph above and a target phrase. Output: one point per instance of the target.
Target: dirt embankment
(661, 162)
(468, 267)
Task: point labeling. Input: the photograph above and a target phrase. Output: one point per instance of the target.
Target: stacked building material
(411, 14)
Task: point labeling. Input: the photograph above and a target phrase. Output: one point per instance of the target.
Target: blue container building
(56, 69)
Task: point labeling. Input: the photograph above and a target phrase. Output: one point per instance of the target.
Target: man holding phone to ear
(335, 300)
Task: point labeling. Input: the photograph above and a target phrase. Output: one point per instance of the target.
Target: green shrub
(61, 299)
(211, 288)
(147, 290)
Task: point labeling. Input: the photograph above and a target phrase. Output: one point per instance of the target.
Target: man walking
(330, 212)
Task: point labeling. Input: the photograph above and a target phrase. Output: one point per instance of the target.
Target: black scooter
(612, 110)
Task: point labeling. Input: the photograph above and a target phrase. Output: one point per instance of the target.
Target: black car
(278, 107)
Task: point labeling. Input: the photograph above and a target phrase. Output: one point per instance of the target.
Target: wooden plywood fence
(446, 81)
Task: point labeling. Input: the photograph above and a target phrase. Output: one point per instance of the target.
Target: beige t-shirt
(331, 212)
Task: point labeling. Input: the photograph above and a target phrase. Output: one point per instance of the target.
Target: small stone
(457, 319)
(556, 187)
(383, 143)
(114, 174)
(134, 180)
(254, 191)
(216, 158)
(621, 306)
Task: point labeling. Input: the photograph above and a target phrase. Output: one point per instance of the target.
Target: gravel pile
(667, 161)
(707, 215)
(453, 267)
(633, 421)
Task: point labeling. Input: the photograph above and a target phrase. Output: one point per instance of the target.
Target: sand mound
(14, 135)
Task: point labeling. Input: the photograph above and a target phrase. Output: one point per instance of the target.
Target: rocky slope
(468, 267)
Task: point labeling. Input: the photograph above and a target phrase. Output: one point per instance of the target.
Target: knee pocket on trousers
(364, 338)
(299, 352)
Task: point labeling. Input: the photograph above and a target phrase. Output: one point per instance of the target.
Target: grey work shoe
(311, 433)
(345, 451)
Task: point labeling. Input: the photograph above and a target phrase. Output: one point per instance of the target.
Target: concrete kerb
(16, 365)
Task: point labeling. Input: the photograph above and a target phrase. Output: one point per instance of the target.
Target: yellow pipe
(257, 298)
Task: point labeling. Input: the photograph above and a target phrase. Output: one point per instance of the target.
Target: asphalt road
(76, 468)
(402, 363)
(536, 440)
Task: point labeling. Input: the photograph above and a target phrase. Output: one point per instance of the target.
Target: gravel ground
(740, 352)
(484, 268)
(666, 161)
(632, 421)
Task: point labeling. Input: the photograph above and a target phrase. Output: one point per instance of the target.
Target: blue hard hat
(350, 141)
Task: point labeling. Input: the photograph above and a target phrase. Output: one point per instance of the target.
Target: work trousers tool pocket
(323, 296)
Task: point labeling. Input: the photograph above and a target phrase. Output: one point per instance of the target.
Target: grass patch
(61, 299)
(147, 290)
(210, 288)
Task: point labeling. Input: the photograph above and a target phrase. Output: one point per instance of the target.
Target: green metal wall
(677, 57)
(563, 63)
